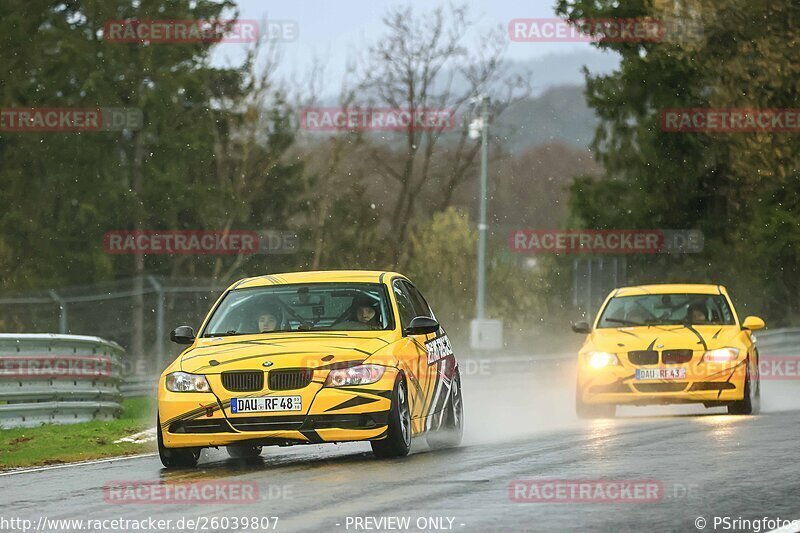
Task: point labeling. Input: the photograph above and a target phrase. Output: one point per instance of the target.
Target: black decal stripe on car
(650, 348)
(340, 364)
(382, 393)
(209, 352)
(249, 357)
(350, 348)
(418, 391)
(353, 402)
(702, 340)
(446, 383)
(312, 436)
(436, 396)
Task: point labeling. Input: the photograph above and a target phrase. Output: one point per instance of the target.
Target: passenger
(269, 321)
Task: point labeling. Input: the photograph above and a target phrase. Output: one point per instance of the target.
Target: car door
(413, 356)
(440, 359)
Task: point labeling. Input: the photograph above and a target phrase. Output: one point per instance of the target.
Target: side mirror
(182, 335)
(753, 323)
(582, 327)
(422, 325)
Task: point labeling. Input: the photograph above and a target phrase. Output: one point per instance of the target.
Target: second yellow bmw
(310, 358)
(661, 344)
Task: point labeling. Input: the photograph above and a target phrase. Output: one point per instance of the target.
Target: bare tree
(240, 126)
(422, 63)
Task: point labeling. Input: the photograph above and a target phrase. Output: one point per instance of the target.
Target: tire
(452, 429)
(398, 439)
(751, 403)
(175, 457)
(591, 411)
(244, 451)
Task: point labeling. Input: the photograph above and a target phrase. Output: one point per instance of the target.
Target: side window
(421, 307)
(404, 306)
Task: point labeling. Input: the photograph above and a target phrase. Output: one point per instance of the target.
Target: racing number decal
(438, 348)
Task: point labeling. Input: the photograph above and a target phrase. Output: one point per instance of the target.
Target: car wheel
(751, 403)
(398, 438)
(175, 457)
(450, 433)
(591, 411)
(243, 451)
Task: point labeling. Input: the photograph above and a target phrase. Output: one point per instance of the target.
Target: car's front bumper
(335, 415)
(703, 384)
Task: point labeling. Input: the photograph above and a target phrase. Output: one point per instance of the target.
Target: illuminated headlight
(355, 375)
(183, 382)
(721, 355)
(601, 359)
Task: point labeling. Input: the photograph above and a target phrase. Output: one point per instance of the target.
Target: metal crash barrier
(58, 379)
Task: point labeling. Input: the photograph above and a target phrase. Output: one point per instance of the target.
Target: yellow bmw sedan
(664, 344)
(311, 357)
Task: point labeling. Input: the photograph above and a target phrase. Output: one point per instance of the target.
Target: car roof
(671, 288)
(318, 276)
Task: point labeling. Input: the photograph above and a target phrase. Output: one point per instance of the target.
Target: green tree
(740, 189)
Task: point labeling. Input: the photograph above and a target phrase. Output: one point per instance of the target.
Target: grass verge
(54, 444)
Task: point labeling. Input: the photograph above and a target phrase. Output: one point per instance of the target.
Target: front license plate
(660, 373)
(266, 404)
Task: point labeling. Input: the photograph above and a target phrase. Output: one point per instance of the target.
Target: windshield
(665, 309)
(283, 308)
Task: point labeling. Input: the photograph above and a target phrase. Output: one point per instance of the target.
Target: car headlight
(184, 382)
(601, 359)
(355, 375)
(721, 355)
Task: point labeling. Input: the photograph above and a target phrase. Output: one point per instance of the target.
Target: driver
(364, 315)
(696, 314)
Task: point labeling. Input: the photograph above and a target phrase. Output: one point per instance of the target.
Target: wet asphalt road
(519, 426)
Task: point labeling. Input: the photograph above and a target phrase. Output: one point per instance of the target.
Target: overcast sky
(334, 30)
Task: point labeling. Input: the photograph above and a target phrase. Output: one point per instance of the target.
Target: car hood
(661, 338)
(281, 350)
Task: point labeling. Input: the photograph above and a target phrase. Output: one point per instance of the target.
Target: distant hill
(555, 70)
(559, 114)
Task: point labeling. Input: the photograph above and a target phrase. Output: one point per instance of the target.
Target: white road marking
(81, 463)
(148, 435)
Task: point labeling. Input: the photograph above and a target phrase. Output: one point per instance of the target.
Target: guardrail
(135, 386)
(784, 341)
(60, 379)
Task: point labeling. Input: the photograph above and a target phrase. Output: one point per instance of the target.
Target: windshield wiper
(623, 321)
(228, 333)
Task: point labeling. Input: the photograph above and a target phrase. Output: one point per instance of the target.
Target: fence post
(160, 363)
(62, 311)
